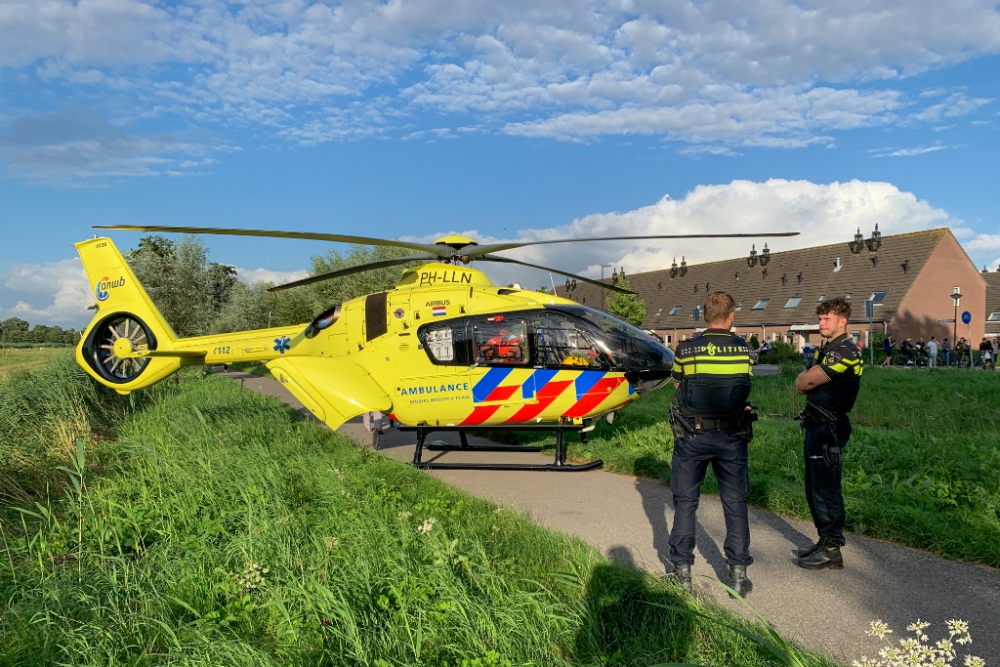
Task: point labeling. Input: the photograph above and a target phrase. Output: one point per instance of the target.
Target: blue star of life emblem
(282, 344)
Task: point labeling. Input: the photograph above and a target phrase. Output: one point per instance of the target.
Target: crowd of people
(943, 353)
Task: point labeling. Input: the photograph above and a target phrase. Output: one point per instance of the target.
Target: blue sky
(510, 120)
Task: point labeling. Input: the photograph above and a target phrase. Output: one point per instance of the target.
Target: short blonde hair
(718, 307)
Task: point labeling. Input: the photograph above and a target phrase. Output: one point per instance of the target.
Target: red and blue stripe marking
(590, 387)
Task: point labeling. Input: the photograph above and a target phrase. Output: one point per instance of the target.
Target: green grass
(252, 367)
(202, 525)
(21, 358)
(922, 467)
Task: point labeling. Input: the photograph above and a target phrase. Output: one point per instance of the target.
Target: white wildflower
(251, 577)
(879, 629)
(403, 516)
(427, 525)
(916, 652)
(918, 628)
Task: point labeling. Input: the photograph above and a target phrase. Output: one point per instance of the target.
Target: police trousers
(826, 501)
(727, 452)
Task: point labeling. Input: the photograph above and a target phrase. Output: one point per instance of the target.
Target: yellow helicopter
(446, 350)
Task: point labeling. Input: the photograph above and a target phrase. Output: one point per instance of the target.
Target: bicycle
(910, 357)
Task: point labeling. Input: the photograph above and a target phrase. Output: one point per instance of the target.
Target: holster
(688, 424)
(680, 425)
(814, 415)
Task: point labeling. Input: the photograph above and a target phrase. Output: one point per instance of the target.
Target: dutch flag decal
(438, 311)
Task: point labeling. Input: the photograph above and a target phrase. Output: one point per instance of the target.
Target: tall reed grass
(222, 528)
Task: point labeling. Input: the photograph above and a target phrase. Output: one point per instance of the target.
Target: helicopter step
(558, 465)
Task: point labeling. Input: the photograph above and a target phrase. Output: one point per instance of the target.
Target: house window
(878, 297)
(761, 305)
(739, 306)
(847, 297)
(994, 316)
(821, 298)
(674, 310)
(856, 336)
(793, 303)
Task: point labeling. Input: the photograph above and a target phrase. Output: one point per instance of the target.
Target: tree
(628, 307)
(13, 324)
(339, 290)
(176, 277)
(754, 343)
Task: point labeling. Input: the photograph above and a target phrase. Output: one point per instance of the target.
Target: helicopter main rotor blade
(360, 268)
(477, 250)
(507, 260)
(436, 250)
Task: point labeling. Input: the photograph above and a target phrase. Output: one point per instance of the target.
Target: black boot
(738, 580)
(828, 555)
(683, 573)
(803, 553)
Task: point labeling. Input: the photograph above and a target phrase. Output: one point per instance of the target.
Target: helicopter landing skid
(559, 465)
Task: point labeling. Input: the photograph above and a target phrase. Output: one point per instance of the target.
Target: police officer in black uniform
(712, 423)
(831, 387)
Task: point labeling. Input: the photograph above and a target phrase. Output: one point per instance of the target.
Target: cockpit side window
(501, 340)
(558, 341)
(447, 343)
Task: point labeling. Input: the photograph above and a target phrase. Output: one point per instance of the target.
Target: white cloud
(984, 242)
(52, 293)
(957, 104)
(907, 152)
(822, 213)
(756, 72)
(269, 276)
(77, 145)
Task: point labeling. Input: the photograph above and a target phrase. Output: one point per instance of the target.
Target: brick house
(911, 279)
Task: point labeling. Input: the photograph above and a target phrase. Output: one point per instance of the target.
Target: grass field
(196, 524)
(19, 358)
(922, 467)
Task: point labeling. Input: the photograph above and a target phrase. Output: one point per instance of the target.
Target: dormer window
(793, 303)
(761, 305)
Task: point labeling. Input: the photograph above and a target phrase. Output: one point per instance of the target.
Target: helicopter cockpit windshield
(646, 361)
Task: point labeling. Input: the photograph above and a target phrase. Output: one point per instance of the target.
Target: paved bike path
(629, 518)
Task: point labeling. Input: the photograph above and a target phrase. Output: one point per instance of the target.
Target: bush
(782, 353)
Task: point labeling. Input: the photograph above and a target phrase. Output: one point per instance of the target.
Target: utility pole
(956, 298)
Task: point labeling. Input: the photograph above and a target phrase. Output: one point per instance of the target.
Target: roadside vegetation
(22, 358)
(922, 467)
(193, 523)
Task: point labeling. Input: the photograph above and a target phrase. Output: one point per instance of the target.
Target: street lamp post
(603, 266)
(956, 298)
